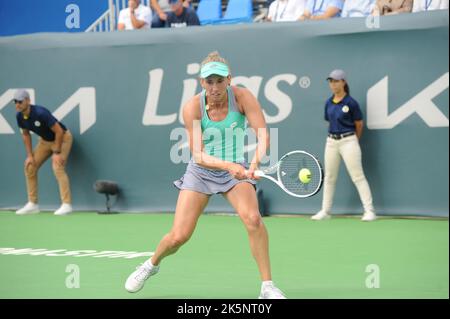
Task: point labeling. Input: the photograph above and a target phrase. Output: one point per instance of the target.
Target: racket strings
(289, 170)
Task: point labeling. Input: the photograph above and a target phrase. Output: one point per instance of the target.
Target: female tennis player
(215, 120)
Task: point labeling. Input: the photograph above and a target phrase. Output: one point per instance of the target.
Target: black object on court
(109, 188)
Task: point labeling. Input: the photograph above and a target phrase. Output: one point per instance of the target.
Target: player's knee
(253, 221)
(178, 239)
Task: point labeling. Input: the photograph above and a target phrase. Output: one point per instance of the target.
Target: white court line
(73, 253)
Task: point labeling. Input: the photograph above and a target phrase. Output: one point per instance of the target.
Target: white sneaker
(64, 209)
(271, 292)
(137, 279)
(369, 216)
(29, 208)
(322, 215)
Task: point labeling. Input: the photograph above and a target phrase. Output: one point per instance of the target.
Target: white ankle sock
(148, 264)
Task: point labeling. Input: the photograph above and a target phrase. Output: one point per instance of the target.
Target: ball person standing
(344, 131)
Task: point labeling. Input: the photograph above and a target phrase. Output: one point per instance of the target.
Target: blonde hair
(214, 57)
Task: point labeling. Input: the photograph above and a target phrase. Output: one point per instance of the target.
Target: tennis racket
(298, 173)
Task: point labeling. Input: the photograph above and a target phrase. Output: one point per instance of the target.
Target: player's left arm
(255, 117)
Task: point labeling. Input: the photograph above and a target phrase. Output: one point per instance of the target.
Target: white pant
(348, 148)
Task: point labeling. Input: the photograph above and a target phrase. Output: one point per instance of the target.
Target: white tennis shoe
(64, 210)
(369, 216)
(269, 291)
(322, 215)
(137, 279)
(29, 208)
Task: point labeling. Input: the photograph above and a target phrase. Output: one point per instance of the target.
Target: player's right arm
(26, 136)
(192, 119)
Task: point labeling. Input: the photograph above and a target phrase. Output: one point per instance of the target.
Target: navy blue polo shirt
(187, 18)
(40, 122)
(342, 115)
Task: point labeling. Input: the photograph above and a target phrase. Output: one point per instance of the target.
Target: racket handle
(257, 173)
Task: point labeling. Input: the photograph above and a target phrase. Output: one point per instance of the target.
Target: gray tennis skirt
(208, 181)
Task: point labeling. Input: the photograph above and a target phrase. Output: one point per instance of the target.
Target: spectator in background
(322, 9)
(429, 5)
(181, 16)
(286, 10)
(136, 16)
(162, 9)
(389, 7)
(357, 8)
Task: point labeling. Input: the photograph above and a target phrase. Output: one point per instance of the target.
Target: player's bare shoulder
(240, 92)
(245, 99)
(242, 96)
(192, 108)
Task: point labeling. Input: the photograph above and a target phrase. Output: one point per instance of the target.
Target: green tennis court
(309, 259)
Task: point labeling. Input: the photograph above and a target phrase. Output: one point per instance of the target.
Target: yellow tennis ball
(304, 175)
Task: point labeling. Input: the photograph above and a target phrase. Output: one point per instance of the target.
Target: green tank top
(224, 139)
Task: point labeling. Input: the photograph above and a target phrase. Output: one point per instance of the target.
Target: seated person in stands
(322, 9)
(357, 8)
(161, 8)
(390, 7)
(181, 16)
(429, 5)
(136, 16)
(286, 10)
